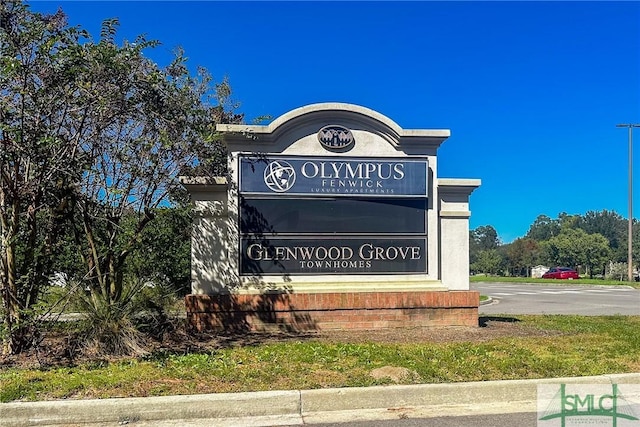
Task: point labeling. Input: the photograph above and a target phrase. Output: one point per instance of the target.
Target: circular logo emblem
(335, 137)
(279, 176)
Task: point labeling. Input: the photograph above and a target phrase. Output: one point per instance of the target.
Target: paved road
(564, 298)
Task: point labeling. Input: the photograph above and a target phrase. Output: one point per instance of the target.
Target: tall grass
(120, 326)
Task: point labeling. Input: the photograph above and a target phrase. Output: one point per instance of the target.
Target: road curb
(296, 407)
(140, 410)
(488, 301)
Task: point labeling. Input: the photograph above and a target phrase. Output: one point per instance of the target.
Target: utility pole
(630, 126)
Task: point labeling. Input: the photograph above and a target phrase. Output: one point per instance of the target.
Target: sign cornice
(333, 113)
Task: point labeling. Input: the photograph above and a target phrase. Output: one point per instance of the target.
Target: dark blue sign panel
(375, 216)
(332, 256)
(333, 176)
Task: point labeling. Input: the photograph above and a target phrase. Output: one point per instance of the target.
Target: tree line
(595, 244)
(93, 135)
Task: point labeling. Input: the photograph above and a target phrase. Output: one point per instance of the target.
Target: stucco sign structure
(332, 216)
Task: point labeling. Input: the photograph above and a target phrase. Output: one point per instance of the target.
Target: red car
(561, 273)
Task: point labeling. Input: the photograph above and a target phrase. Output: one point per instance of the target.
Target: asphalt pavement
(561, 298)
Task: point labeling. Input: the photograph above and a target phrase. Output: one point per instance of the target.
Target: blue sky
(531, 91)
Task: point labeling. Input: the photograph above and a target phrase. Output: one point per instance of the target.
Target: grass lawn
(544, 346)
(581, 281)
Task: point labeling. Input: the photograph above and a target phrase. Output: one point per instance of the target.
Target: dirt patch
(490, 328)
(59, 348)
(394, 373)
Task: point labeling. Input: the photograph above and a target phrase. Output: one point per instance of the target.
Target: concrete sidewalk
(296, 407)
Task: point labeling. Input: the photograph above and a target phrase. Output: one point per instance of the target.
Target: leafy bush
(616, 271)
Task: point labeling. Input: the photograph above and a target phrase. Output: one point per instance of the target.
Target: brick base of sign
(331, 311)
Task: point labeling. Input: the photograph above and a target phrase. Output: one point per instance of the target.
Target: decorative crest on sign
(334, 137)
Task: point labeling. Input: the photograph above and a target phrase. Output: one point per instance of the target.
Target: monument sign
(331, 203)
